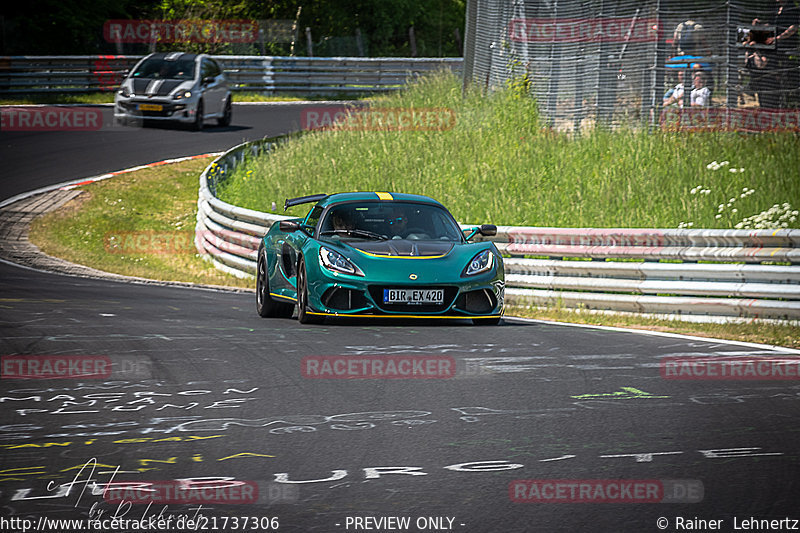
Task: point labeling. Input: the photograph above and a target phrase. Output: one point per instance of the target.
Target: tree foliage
(63, 27)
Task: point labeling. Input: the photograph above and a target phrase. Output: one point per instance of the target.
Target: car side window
(313, 217)
(215, 70)
(206, 70)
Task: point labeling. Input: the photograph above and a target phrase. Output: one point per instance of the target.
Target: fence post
(360, 43)
(309, 43)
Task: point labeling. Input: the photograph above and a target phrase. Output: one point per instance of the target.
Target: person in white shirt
(700, 95)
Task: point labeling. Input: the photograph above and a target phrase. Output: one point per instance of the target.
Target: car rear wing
(291, 202)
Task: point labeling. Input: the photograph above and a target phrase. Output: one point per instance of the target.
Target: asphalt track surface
(202, 387)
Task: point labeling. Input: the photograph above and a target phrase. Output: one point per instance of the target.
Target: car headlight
(183, 94)
(124, 92)
(337, 262)
(482, 262)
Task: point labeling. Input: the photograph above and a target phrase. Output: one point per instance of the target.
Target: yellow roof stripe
(384, 196)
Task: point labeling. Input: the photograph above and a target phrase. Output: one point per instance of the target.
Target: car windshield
(158, 68)
(389, 220)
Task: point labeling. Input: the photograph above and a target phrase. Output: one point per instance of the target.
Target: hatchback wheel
(198, 118)
(225, 119)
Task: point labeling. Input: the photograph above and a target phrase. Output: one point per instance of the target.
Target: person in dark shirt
(783, 61)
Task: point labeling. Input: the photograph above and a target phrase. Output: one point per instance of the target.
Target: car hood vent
(404, 248)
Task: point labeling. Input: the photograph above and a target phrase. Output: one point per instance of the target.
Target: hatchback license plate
(150, 107)
(413, 296)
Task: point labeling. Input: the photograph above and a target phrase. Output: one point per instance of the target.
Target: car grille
(376, 291)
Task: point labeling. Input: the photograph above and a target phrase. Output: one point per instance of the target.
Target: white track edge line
(658, 334)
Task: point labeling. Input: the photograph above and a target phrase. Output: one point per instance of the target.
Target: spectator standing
(782, 63)
(689, 39)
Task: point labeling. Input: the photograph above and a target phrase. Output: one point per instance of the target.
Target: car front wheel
(303, 315)
(225, 119)
(198, 118)
(265, 305)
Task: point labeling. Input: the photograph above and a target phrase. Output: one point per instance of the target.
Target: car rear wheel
(225, 119)
(198, 118)
(303, 315)
(265, 305)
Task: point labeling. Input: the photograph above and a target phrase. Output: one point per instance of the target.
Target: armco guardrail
(227, 234)
(741, 286)
(312, 75)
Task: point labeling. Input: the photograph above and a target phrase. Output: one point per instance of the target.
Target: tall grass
(499, 164)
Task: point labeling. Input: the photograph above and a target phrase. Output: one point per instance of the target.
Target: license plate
(150, 107)
(413, 296)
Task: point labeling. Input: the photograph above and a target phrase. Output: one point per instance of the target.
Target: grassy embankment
(138, 224)
(499, 165)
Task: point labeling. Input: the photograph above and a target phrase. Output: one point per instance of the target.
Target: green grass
(159, 201)
(500, 165)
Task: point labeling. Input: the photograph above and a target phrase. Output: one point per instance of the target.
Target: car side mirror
(288, 226)
(488, 230)
(208, 79)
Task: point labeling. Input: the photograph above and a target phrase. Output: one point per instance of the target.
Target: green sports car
(378, 254)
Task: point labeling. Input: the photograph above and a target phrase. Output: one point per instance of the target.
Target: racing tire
(486, 321)
(265, 305)
(303, 315)
(225, 119)
(197, 125)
